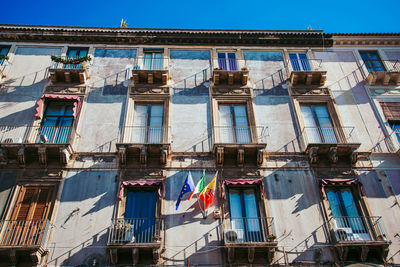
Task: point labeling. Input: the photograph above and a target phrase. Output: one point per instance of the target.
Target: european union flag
(187, 187)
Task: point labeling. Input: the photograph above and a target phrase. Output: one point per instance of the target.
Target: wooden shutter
(391, 111)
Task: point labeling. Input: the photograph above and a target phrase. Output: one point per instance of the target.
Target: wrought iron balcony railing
(249, 230)
(229, 64)
(143, 135)
(138, 230)
(24, 232)
(35, 134)
(329, 135)
(382, 65)
(303, 65)
(151, 63)
(240, 134)
(60, 63)
(358, 229)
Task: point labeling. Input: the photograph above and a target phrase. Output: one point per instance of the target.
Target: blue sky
(334, 16)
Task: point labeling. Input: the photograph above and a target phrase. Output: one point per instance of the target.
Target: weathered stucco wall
(82, 219)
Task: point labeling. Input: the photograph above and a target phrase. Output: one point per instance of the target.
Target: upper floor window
(391, 110)
(57, 121)
(75, 53)
(244, 214)
(299, 62)
(372, 61)
(227, 61)
(148, 123)
(234, 125)
(318, 124)
(152, 60)
(4, 51)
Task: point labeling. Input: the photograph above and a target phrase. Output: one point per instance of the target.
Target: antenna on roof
(309, 28)
(123, 24)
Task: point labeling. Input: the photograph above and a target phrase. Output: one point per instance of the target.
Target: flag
(187, 187)
(207, 194)
(199, 187)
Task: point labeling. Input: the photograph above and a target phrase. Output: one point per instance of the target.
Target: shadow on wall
(272, 85)
(94, 254)
(196, 80)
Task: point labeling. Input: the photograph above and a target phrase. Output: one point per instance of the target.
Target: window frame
(2, 61)
(381, 62)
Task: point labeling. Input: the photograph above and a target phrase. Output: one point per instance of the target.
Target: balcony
(3, 64)
(239, 144)
(140, 237)
(230, 71)
(22, 142)
(22, 238)
(254, 237)
(69, 71)
(381, 72)
(151, 71)
(143, 144)
(332, 142)
(360, 237)
(307, 72)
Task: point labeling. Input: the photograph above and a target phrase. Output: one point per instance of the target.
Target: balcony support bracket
(156, 255)
(64, 155)
(231, 254)
(164, 156)
(342, 252)
(313, 155)
(250, 254)
(12, 255)
(3, 156)
(42, 155)
(113, 255)
(354, 156)
(333, 155)
(240, 157)
(220, 155)
(364, 253)
(67, 76)
(21, 157)
(260, 156)
(135, 255)
(122, 155)
(143, 155)
(36, 257)
(270, 255)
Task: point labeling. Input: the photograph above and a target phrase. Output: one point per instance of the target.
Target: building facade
(99, 128)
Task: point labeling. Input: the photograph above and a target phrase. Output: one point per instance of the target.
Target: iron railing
(143, 134)
(60, 65)
(249, 229)
(35, 134)
(151, 63)
(304, 65)
(229, 64)
(138, 230)
(240, 134)
(382, 65)
(358, 228)
(329, 135)
(24, 232)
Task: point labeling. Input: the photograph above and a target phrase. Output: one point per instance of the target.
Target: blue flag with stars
(187, 187)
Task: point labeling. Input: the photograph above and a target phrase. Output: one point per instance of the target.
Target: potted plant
(123, 232)
(271, 237)
(157, 238)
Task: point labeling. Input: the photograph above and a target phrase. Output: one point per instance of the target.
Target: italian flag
(207, 194)
(199, 187)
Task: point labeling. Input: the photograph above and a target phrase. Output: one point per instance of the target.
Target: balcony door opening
(244, 215)
(349, 224)
(299, 62)
(227, 61)
(372, 61)
(148, 123)
(152, 60)
(57, 122)
(318, 124)
(234, 126)
(75, 53)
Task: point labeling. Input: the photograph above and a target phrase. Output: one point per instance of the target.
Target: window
(141, 218)
(152, 60)
(29, 219)
(148, 123)
(244, 215)
(391, 110)
(57, 122)
(3, 51)
(318, 124)
(227, 61)
(74, 53)
(234, 126)
(350, 224)
(299, 62)
(372, 61)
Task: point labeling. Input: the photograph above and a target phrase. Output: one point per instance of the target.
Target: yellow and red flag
(207, 194)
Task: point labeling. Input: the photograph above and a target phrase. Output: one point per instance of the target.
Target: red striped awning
(340, 182)
(140, 183)
(237, 182)
(40, 103)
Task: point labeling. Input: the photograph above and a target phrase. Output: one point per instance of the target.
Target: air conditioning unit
(233, 235)
(344, 234)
